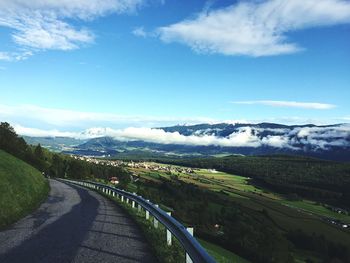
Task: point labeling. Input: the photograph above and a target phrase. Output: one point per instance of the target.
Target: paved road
(74, 225)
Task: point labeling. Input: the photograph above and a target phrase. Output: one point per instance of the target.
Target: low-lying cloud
(318, 137)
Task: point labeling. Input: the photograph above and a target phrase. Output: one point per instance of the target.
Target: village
(151, 166)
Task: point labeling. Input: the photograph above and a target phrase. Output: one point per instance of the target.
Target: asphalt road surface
(75, 225)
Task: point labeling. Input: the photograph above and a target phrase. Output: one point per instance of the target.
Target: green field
(220, 254)
(317, 209)
(22, 188)
(205, 178)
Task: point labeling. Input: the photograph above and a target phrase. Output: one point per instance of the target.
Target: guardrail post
(133, 204)
(168, 233)
(122, 198)
(139, 207)
(113, 193)
(147, 212)
(188, 258)
(155, 221)
(127, 200)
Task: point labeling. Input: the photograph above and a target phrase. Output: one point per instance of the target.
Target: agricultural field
(317, 209)
(233, 185)
(206, 178)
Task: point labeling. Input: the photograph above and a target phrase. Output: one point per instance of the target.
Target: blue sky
(71, 65)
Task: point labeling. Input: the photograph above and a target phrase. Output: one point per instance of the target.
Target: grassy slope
(22, 188)
(220, 254)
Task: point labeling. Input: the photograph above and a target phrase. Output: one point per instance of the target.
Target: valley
(278, 211)
(286, 207)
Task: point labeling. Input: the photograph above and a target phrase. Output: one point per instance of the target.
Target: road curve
(75, 225)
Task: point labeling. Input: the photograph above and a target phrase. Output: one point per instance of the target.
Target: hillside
(312, 178)
(22, 188)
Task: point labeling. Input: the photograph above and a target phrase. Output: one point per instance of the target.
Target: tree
(38, 152)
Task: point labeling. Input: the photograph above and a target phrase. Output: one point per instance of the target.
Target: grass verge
(22, 189)
(156, 237)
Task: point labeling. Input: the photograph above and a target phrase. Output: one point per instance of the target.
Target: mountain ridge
(321, 141)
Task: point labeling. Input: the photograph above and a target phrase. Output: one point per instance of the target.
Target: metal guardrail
(192, 247)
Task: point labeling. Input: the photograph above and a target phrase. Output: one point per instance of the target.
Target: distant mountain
(57, 144)
(328, 142)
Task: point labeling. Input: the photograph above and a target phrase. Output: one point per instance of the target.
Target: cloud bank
(255, 28)
(291, 104)
(295, 138)
(51, 25)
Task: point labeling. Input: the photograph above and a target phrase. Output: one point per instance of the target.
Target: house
(114, 180)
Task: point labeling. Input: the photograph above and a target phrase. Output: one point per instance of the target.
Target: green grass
(220, 254)
(317, 209)
(22, 189)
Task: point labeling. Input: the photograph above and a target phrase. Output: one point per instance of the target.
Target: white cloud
(48, 24)
(255, 28)
(242, 138)
(140, 32)
(42, 133)
(15, 56)
(5, 56)
(292, 104)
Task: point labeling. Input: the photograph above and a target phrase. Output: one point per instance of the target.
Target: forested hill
(309, 177)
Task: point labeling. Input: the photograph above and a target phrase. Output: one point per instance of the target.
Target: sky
(70, 65)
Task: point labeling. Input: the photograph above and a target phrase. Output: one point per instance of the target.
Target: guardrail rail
(194, 251)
